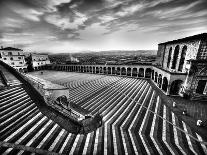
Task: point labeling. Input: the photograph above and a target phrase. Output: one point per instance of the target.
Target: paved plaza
(135, 120)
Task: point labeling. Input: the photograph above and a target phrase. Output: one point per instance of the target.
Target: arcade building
(180, 68)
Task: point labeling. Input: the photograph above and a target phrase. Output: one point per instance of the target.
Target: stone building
(185, 62)
(38, 61)
(13, 57)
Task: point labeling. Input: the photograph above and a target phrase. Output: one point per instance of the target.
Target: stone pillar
(144, 72)
(131, 71)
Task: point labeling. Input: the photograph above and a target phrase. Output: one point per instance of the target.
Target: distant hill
(136, 52)
(114, 52)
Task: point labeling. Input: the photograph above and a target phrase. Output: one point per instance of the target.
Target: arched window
(175, 57)
(182, 58)
(141, 72)
(134, 72)
(169, 57)
(164, 84)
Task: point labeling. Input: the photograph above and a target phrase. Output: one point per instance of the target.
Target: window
(201, 86)
(175, 57)
(182, 58)
(12, 63)
(0, 55)
(4, 58)
(19, 57)
(169, 57)
(11, 58)
(20, 63)
(202, 54)
(9, 53)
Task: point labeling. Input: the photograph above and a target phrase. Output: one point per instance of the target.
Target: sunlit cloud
(66, 22)
(73, 25)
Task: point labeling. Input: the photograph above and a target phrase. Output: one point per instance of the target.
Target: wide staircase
(135, 120)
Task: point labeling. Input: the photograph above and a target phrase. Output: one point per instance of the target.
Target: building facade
(38, 61)
(13, 57)
(187, 59)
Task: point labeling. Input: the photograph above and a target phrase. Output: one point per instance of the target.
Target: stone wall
(191, 53)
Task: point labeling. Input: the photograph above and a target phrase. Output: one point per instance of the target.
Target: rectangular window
(11, 58)
(19, 57)
(9, 53)
(201, 86)
(20, 63)
(12, 63)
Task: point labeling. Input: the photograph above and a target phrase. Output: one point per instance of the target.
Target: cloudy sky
(82, 25)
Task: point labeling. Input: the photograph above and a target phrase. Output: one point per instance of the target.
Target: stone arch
(175, 57)
(141, 72)
(169, 57)
(164, 84)
(176, 87)
(90, 69)
(20, 70)
(182, 58)
(148, 73)
(109, 70)
(134, 72)
(160, 80)
(94, 69)
(118, 71)
(105, 71)
(85, 69)
(97, 70)
(123, 71)
(156, 75)
(82, 69)
(113, 70)
(101, 70)
(152, 74)
(129, 70)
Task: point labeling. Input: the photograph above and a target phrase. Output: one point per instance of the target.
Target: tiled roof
(11, 49)
(195, 37)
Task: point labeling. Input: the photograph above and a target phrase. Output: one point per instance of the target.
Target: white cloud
(65, 22)
(106, 18)
(53, 3)
(11, 23)
(129, 10)
(27, 13)
(174, 12)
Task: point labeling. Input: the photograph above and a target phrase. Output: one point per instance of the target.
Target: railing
(36, 84)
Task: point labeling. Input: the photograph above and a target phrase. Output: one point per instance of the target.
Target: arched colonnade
(171, 86)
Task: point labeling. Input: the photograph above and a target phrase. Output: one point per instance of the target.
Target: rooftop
(195, 37)
(11, 49)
